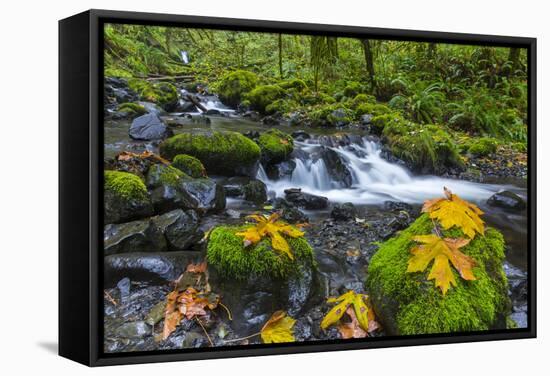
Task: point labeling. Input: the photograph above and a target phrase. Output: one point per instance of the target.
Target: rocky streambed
(353, 194)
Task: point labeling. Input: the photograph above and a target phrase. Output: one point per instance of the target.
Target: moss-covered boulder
(228, 255)
(281, 106)
(222, 153)
(425, 148)
(189, 165)
(132, 109)
(294, 83)
(162, 93)
(407, 303)
(234, 85)
(173, 189)
(331, 115)
(264, 95)
(261, 280)
(125, 197)
(276, 146)
(352, 89)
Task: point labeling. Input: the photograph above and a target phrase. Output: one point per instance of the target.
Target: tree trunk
(281, 56)
(514, 58)
(369, 60)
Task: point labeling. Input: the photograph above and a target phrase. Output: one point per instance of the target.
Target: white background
(28, 185)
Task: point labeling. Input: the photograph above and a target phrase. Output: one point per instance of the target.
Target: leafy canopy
(453, 211)
(270, 226)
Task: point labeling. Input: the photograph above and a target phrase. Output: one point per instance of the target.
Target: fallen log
(191, 98)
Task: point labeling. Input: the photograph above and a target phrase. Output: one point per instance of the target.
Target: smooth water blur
(374, 179)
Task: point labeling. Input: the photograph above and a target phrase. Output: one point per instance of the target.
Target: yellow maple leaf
(278, 329)
(441, 251)
(273, 228)
(453, 211)
(350, 298)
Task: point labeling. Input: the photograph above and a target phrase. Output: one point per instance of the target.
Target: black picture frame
(81, 174)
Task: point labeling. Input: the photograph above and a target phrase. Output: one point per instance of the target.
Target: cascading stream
(374, 179)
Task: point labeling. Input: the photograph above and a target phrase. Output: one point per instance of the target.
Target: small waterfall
(374, 179)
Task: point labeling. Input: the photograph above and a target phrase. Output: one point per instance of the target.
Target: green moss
(374, 109)
(295, 83)
(483, 146)
(160, 174)
(282, 106)
(331, 115)
(427, 148)
(352, 89)
(264, 95)
(410, 304)
(362, 99)
(162, 93)
(226, 253)
(275, 145)
(132, 108)
(221, 153)
(234, 85)
(189, 165)
(125, 185)
(379, 122)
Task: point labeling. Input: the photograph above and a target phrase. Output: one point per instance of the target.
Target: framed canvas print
(237, 187)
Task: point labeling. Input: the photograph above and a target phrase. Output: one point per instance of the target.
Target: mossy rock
(374, 109)
(294, 83)
(276, 146)
(352, 89)
(189, 165)
(125, 197)
(331, 115)
(426, 148)
(222, 153)
(362, 99)
(408, 304)
(483, 147)
(162, 93)
(379, 122)
(227, 254)
(234, 85)
(281, 106)
(132, 108)
(264, 95)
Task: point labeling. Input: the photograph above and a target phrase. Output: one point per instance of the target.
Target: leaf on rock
(360, 319)
(278, 329)
(270, 226)
(453, 211)
(441, 251)
(197, 268)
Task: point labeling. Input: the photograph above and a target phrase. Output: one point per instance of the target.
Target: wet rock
(366, 119)
(233, 186)
(397, 206)
(343, 212)
(213, 112)
(289, 213)
(208, 195)
(154, 268)
(252, 115)
(124, 286)
(280, 170)
(305, 200)
(136, 236)
(149, 127)
(300, 135)
(133, 330)
(180, 229)
(152, 108)
(255, 191)
(507, 200)
(271, 121)
(185, 106)
(120, 208)
(336, 168)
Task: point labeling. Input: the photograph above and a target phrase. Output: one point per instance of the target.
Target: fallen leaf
(273, 228)
(278, 329)
(351, 299)
(197, 268)
(453, 211)
(441, 251)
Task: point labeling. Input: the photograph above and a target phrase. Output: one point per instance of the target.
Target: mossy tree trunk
(369, 61)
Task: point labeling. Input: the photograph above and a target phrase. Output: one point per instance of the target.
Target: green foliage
(233, 86)
(227, 254)
(125, 185)
(220, 152)
(423, 103)
(294, 83)
(281, 106)
(483, 147)
(412, 305)
(264, 95)
(353, 89)
(331, 115)
(275, 145)
(189, 165)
